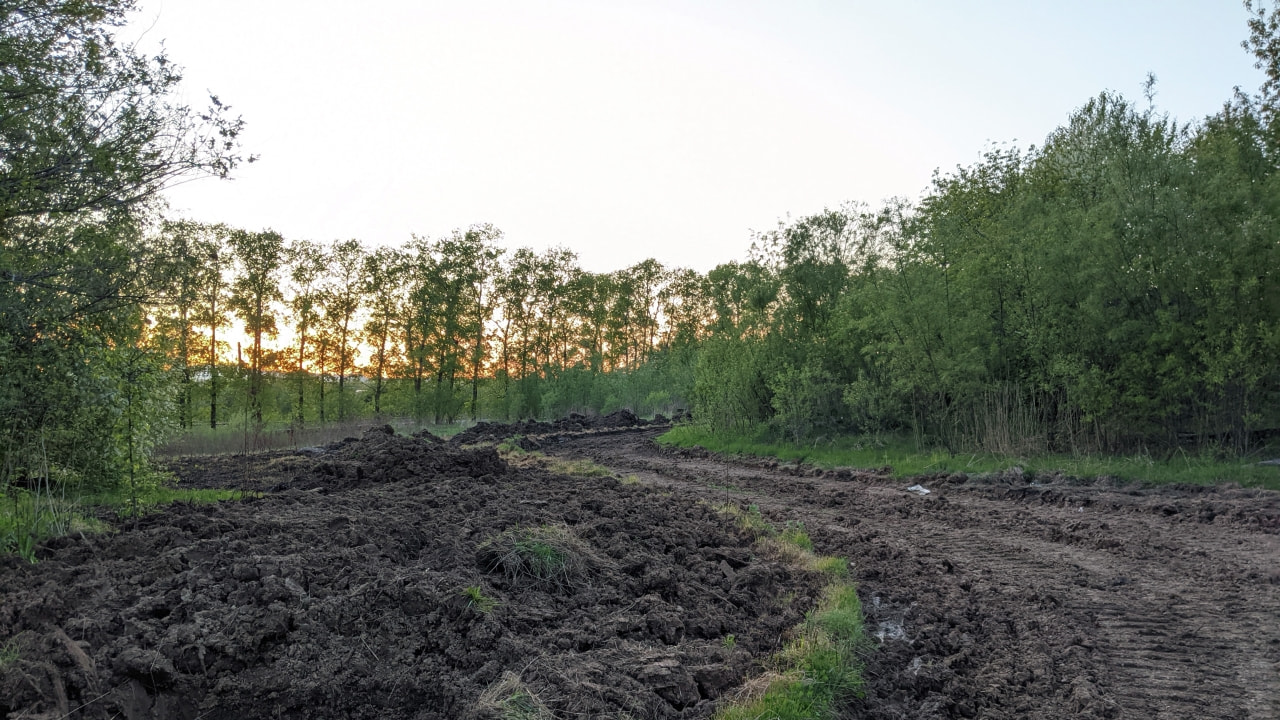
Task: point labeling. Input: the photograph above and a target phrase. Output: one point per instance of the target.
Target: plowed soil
(1016, 597)
(343, 590)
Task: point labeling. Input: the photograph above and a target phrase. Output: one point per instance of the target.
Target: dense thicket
(88, 136)
(1116, 287)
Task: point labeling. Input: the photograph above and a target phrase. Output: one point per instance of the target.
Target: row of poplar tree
(436, 329)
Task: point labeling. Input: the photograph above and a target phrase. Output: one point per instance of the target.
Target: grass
(510, 699)
(9, 653)
(511, 451)
(547, 555)
(26, 517)
(476, 598)
(239, 436)
(906, 460)
(748, 519)
(578, 468)
(820, 668)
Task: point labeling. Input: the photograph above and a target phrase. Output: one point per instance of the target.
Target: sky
(624, 130)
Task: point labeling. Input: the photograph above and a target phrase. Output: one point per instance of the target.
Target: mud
(1010, 596)
(364, 583)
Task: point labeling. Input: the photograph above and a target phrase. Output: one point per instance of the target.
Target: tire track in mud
(1003, 598)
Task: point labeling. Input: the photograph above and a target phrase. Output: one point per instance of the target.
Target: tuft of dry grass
(509, 699)
(547, 556)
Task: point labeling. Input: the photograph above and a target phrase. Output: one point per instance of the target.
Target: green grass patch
(578, 468)
(907, 460)
(26, 518)
(240, 435)
(794, 534)
(511, 451)
(818, 671)
(152, 498)
(476, 599)
(748, 518)
(547, 555)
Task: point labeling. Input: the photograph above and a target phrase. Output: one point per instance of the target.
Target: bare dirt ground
(341, 592)
(1017, 597)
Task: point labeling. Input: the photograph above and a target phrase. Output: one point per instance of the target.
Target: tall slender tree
(256, 289)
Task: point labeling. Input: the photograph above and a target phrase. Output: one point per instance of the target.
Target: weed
(836, 567)
(9, 653)
(749, 519)
(578, 468)
(546, 555)
(819, 670)
(476, 598)
(510, 699)
(729, 641)
(794, 533)
(511, 446)
(629, 480)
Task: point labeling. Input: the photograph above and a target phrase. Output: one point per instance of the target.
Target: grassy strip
(26, 518)
(243, 436)
(511, 451)
(906, 460)
(820, 669)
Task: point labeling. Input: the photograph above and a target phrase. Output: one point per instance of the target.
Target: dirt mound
(574, 423)
(383, 577)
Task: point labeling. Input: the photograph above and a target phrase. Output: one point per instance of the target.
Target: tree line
(1113, 288)
(436, 329)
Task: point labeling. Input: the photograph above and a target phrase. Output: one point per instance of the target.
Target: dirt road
(1013, 597)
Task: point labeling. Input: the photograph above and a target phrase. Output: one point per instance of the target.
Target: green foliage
(89, 136)
(819, 670)
(476, 599)
(547, 555)
(903, 458)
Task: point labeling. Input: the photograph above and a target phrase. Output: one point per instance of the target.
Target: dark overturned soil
(1010, 596)
(341, 592)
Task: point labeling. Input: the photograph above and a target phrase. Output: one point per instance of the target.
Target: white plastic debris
(890, 630)
(919, 490)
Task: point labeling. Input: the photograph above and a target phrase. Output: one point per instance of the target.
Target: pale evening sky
(628, 129)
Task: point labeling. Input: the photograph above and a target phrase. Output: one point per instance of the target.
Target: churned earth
(370, 580)
(377, 578)
(1008, 596)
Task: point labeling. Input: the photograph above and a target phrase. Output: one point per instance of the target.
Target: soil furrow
(1016, 597)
